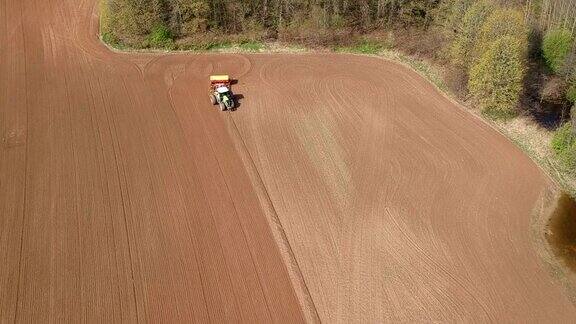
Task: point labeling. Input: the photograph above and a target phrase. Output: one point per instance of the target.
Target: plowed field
(344, 188)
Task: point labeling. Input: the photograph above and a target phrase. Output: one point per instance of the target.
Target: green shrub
(364, 46)
(112, 41)
(132, 21)
(496, 80)
(251, 46)
(502, 23)
(467, 33)
(564, 146)
(217, 45)
(160, 37)
(451, 14)
(368, 47)
(571, 93)
(105, 17)
(556, 46)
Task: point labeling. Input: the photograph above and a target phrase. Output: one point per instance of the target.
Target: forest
(510, 57)
(294, 19)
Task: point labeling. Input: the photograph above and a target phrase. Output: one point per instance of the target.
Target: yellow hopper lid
(219, 78)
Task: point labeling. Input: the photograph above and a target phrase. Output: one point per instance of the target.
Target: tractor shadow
(237, 96)
(238, 101)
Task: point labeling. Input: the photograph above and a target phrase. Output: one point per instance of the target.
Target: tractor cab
(222, 91)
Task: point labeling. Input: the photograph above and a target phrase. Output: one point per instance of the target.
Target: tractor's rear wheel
(213, 99)
(222, 106)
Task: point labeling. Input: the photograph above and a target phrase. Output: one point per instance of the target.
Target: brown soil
(344, 188)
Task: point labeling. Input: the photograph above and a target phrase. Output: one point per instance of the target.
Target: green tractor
(220, 92)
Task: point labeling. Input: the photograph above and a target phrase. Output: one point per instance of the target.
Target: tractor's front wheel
(222, 106)
(213, 99)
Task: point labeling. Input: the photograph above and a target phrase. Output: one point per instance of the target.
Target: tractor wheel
(213, 99)
(222, 106)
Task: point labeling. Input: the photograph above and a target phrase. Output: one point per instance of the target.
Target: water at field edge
(562, 230)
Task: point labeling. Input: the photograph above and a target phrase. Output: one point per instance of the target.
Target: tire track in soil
(416, 153)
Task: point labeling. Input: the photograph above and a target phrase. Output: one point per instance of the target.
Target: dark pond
(562, 234)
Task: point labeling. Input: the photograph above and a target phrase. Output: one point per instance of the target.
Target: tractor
(220, 92)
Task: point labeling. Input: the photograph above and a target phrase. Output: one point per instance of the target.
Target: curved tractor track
(343, 189)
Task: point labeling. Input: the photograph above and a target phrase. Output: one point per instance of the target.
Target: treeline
(535, 32)
(511, 51)
(557, 21)
(308, 21)
(489, 43)
(551, 14)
